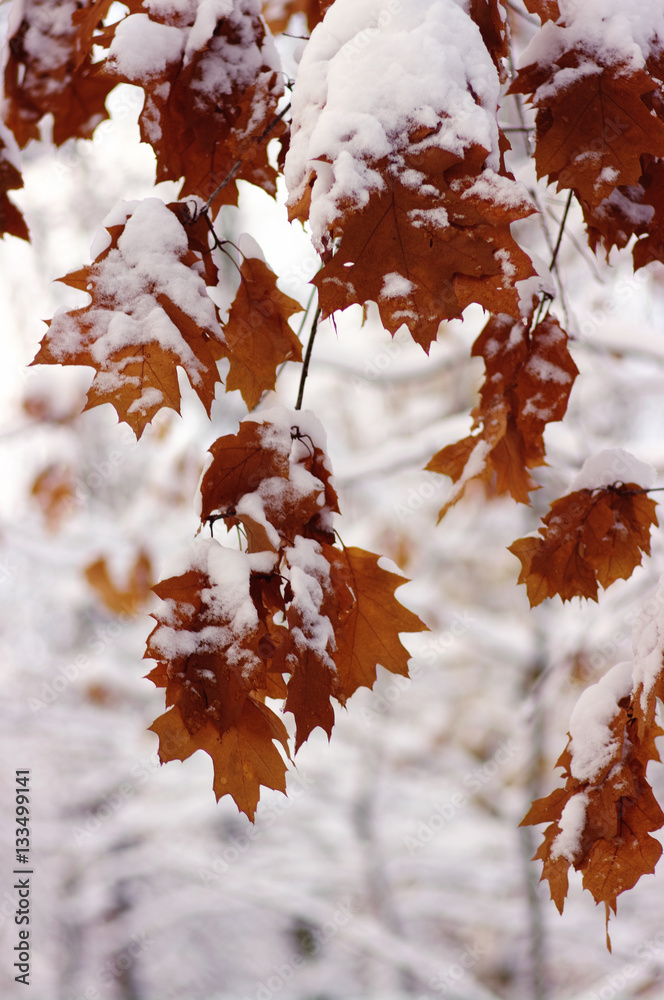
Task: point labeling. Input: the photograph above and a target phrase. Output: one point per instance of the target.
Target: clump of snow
(228, 614)
(309, 575)
(572, 822)
(607, 32)
(373, 75)
(593, 745)
(613, 465)
(143, 48)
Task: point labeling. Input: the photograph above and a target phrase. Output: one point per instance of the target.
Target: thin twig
(232, 173)
(307, 359)
(561, 231)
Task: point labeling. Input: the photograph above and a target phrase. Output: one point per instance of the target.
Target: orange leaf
(589, 537)
(244, 756)
(208, 111)
(257, 333)
(529, 376)
(130, 598)
(368, 632)
(50, 71)
(604, 110)
(150, 313)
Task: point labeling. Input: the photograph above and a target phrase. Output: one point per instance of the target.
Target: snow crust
(611, 466)
(572, 822)
(374, 73)
(609, 32)
(593, 745)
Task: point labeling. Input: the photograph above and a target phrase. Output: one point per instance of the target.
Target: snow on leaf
(529, 376)
(150, 313)
(589, 538)
(291, 617)
(595, 78)
(211, 85)
(406, 180)
(602, 820)
(50, 71)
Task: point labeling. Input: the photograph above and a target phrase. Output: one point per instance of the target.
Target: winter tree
(407, 256)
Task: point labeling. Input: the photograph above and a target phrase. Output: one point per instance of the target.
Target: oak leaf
(589, 538)
(211, 93)
(594, 122)
(529, 376)
(258, 337)
(150, 313)
(50, 71)
(128, 598)
(602, 821)
(371, 620)
(244, 756)
(289, 617)
(413, 214)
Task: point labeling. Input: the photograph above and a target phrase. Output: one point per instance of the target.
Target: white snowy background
(395, 868)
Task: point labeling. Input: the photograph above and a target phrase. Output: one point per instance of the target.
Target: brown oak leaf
(210, 107)
(588, 538)
(258, 337)
(602, 820)
(529, 376)
(593, 125)
(150, 313)
(244, 756)
(50, 71)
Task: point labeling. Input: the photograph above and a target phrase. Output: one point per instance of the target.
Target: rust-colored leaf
(150, 314)
(128, 598)
(244, 756)
(589, 538)
(210, 110)
(258, 337)
(529, 376)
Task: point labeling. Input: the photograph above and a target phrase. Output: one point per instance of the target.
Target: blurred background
(395, 868)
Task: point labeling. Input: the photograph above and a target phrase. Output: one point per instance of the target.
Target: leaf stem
(307, 359)
(236, 166)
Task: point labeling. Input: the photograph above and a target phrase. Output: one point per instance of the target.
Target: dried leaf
(132, 596)
(150, 313)
(258, 337)
(209, 109)
(529, 376)
(589, 537)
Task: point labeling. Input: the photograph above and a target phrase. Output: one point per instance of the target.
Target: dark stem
(232, 173)
(560, 232)
(307, 359)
